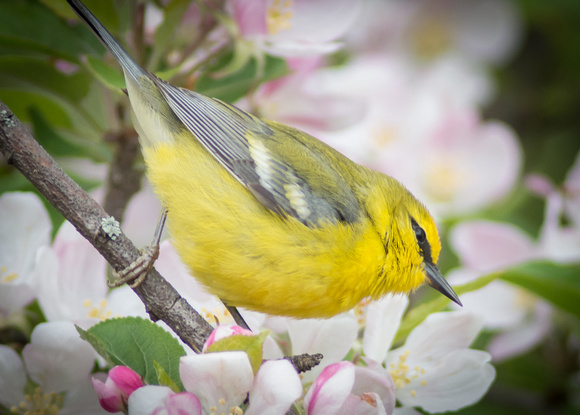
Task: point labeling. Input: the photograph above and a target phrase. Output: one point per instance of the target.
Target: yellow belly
(252, 257)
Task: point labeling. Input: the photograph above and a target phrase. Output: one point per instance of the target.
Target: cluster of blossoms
(67, 279)
(407, 103)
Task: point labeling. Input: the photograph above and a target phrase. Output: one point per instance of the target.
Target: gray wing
(229, 134)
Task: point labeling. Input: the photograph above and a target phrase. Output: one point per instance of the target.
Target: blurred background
(471, 104)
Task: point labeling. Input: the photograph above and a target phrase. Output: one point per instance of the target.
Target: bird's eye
(419, 234)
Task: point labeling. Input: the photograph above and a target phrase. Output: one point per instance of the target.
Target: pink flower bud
(114, 393)
(221, 332)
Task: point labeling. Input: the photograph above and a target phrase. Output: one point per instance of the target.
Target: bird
(266, 216)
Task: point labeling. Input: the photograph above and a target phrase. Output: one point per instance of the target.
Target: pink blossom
(115, 391)
(221, 332)
(24, 230)
(295, 27)
(161, 400)
(345, 388)
(301, 100)
(484, 247)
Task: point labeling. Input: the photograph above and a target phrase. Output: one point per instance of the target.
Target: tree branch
(124, 179)
(161, 300)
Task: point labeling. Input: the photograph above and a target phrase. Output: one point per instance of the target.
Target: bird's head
(411, 240)
(419, 234)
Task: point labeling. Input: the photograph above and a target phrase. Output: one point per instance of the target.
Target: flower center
(430, 37)
(444, 180)
(219, 315)
(99, 311)
(384, 135)
(402, 374)
(39, 403)
(7, 277)
(220, 409)
(279, 16)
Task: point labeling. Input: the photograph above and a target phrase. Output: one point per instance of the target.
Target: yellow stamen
(444, 179)
(99, 312)
(10, 277)
(39, 403)
(402, 374)
(431, 37)
(279, 16)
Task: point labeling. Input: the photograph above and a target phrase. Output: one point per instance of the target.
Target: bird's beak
(436, 280)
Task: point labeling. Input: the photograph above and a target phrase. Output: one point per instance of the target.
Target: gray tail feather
(125, 60)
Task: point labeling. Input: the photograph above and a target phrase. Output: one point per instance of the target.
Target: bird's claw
(135, 274)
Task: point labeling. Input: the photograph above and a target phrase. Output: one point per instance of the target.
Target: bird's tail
(129, 65)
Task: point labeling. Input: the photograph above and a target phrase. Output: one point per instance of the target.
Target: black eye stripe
(422, 241)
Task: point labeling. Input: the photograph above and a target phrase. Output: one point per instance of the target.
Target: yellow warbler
(268, 217)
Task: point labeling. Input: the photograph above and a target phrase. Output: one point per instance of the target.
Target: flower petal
(109, 395)
(57, 358)
(382, 323)
(367, 404)
(12, 377)
(146, 399)
(276, 386)
(126, 379)
(440, 334)
(332, 337)
(24, 228)
(220, 380)
(375, 379)
(330, 389)
(457, 380)
(76, 287)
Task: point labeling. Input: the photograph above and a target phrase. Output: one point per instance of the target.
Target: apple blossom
(59, 363)
(435, 369)
(24, 229)
(221, 332)
(345, 388)
(115, 391)
(73, 284)
(521, 317)
(161, 400)
(295, 27)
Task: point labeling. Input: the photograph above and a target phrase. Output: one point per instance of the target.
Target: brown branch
(124, 179)
(161, 300)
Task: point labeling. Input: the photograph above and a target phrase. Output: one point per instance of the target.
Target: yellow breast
(252, 257)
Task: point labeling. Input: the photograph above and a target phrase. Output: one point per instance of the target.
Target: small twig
(305, 362)
(138, 30)
(207, 24)
(123, 180)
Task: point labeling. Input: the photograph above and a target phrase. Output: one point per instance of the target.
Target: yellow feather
(266, 216)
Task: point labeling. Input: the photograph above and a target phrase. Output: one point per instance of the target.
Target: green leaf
(172, 15)
(420, 313)
(60, 97)
(29, 26)
(232, 87)
(111, 77)
(53, 142)
(137, 343)
(94, 341)
(557, 283)
(37, 74)
(252, 345)
(163, 378)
